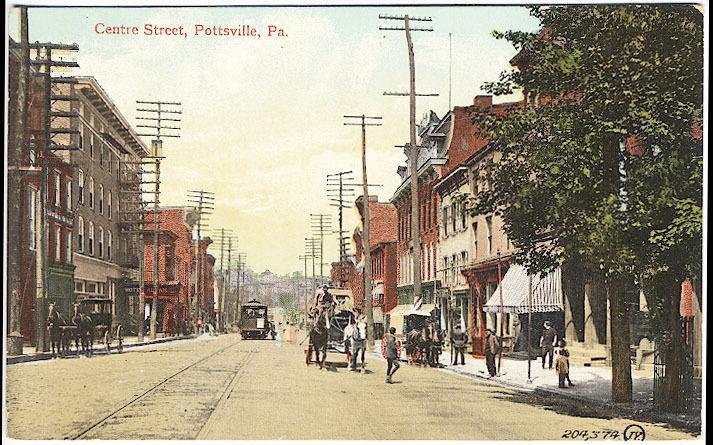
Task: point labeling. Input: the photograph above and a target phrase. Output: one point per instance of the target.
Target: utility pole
(222, 295)
(305, 258)
(157, 117)
(413, 156)
(203, 205)
(368, 302)
(311, 246)
(320, 222)
(15, 162)
(44, 62)
(240, 269)
(339, 197)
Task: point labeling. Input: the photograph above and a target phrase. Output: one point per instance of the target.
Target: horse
(84, 331)
(55, 324)
(416, 345)
(359, 345)
(435, 344)
(318, 337)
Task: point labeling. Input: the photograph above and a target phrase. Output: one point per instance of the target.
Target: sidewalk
(592, 385)
(30, 355)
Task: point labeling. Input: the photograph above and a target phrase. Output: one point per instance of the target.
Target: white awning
(546, 292)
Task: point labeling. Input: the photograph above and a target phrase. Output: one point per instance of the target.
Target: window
(100, 250)
(91, 238)
(101, 154)
(80, 186)
(58, 244)
(109, 242)
(91, 287)
(91, 144)
(68, 248)
(170, 252)
(489, 224)
(463, 217)
(80, 235)
(32, 151)
(108, 204)
(445, 221)
(101, 199)
(79, 286)
(91, 193)
(57, 189)
(69, 195)
(81, 131)
(475, 240)
(454, 216)
(32, 218)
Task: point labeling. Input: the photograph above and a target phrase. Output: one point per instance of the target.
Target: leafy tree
(601, 168)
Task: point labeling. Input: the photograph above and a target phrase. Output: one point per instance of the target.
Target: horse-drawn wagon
(423, 337)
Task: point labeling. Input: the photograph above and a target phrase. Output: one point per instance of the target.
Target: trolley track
(192, 388)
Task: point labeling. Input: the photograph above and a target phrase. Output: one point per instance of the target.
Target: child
(562, 366)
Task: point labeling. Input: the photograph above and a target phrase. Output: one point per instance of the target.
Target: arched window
(80, 235)
(80, 185)
(101, 199)
(69, 195)
(91, 193)
(91, 238)
(100, 250)
(108, 245)
(108, 204)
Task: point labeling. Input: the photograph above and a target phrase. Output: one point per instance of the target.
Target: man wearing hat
(492, 346)
(548, 340)
(459, 340)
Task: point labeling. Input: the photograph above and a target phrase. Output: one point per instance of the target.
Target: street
(226, 388)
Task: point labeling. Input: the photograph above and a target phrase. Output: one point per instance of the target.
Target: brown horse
(85, 331)
(55, 324)
(318, 338)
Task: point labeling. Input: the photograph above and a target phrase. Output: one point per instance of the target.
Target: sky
(262, 121)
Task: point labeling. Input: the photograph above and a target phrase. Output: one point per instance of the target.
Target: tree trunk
(620, 342)
(670, 289)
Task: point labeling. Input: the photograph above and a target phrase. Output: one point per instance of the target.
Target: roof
(99, 98)
(546, 292)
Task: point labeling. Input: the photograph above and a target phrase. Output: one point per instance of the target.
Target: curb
(27, 358)
(629, 411)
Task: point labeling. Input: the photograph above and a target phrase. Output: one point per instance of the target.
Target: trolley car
(253, 320)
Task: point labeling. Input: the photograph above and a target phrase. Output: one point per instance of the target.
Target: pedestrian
(459, 340)
(391, 350)
(562, 368)
(548, 340)
(492, 346)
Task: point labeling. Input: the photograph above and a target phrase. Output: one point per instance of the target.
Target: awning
(546, 292)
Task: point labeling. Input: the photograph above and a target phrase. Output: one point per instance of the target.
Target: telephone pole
(203, 206)
(156, 115)
(413, 156)
(305, 258)
(338, 197)
(222, 244)
(45, 63)
(240, 282)
(320, 223)
(368, 303)
(311, 249)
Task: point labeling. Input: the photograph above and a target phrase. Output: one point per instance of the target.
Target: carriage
(420, 345)
(343, 313)
(100, 311)
(254, 322)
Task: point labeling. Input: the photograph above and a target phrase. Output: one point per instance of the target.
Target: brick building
(106, 243)
(430, 160)
(39, 167)
(176, 258)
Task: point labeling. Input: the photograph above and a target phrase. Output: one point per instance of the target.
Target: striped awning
(546, 292)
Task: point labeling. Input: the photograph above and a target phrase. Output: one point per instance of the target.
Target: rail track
(193, 393)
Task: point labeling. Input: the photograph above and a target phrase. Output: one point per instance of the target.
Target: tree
(601, 168)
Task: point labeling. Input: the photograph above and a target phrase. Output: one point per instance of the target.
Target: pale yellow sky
(262, 118)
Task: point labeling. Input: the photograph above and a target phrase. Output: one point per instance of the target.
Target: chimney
(483, 102)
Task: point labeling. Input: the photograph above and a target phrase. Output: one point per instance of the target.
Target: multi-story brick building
(106, 244)
(430, 161)
(40, 259)
(176, 259)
